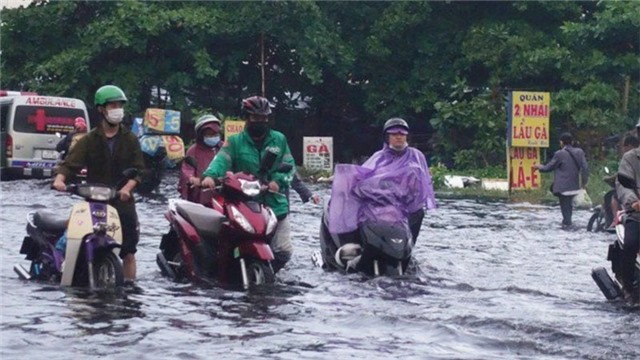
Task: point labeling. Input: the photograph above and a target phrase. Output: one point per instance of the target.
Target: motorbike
(93, 240)
(612, 289)
(226, 238)
(375, 237)
(154, 165)
(375, 248)
(603, 215)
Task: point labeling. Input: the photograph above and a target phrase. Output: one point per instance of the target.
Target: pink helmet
(80, 124)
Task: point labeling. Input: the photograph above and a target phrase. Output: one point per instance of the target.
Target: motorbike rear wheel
(259, 272)
(107, 271)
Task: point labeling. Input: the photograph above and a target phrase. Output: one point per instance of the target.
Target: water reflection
(497, 281)
(97, 310)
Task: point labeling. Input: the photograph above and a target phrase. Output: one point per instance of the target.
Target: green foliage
(474, 125)
(444, 66)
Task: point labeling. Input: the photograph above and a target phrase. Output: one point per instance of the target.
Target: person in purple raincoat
(207, 145)
(393, 186)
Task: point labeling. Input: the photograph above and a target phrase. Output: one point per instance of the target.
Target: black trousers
(415, 221)
(566, 208)
(130, 226)
(631, 247)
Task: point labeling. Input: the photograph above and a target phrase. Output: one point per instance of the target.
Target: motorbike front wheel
(260, 272)
(596, 222)
(107, 271)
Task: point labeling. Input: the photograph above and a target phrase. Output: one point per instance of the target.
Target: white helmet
(206, 119)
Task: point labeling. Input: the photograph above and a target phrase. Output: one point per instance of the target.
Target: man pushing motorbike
(106, 152)
(243, 152)
(630, 201)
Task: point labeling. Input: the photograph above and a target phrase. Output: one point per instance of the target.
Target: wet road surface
(497, 281)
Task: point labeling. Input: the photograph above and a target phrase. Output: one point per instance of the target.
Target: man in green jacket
(243, 152)
(106, 152)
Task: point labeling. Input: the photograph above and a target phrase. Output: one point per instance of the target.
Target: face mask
(257, 129)
(114, 116)
(399, 148)
(212, 141)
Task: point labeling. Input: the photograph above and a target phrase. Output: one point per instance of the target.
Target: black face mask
(257, 129)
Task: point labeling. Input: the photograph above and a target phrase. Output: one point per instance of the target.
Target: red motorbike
(226, 238)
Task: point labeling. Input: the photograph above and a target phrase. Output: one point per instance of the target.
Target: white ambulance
(29, 134)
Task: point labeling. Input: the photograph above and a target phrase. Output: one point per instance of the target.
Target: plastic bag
(582, 200)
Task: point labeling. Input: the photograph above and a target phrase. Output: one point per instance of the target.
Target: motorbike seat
(48, 221)
(207, 221)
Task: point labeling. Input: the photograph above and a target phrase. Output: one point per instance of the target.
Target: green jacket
(240, 153)
(104, 167)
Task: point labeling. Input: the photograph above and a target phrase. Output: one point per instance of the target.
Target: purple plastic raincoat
(386, 188)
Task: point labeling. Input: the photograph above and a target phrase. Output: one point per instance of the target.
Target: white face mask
(400, 147)
(114, 116)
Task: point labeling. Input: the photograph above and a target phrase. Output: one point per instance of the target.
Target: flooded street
(498, 281)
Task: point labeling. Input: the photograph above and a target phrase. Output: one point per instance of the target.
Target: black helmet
(256, 105)
(395, 122)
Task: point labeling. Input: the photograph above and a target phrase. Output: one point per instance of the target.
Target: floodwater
(498, 281)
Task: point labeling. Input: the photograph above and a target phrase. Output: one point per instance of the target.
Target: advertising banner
(173, 145)
(232, 127)
(522, 175)
(528, 119)
(161, 121)
(317, 153)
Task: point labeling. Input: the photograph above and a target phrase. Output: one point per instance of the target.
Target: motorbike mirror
(191, 161)
(606, 170)
(284, 168)
(627, 182)
(268, 160)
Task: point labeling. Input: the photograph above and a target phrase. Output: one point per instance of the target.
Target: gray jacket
(566, 170)
(629, 167)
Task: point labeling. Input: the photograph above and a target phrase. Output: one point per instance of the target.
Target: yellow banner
(529, 120)
(522, 175)
(232, 127)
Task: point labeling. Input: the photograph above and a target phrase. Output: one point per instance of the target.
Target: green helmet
(109, 93)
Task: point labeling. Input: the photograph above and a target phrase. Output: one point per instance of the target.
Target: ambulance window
(44, 119)
(4, 116)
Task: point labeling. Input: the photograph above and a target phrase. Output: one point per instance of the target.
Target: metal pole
(262, 62)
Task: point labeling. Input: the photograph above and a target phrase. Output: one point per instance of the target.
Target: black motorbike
(603, 215)
(612, 289)
(153, 173)
(375, 249)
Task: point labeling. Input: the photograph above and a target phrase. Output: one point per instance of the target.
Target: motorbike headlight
(96, 193)
(272, 222)
(250, 188)
(242, 220)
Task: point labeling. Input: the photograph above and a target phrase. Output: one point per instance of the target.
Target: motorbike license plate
(49, 154)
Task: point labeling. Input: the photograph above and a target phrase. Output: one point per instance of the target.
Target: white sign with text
(317, 153)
